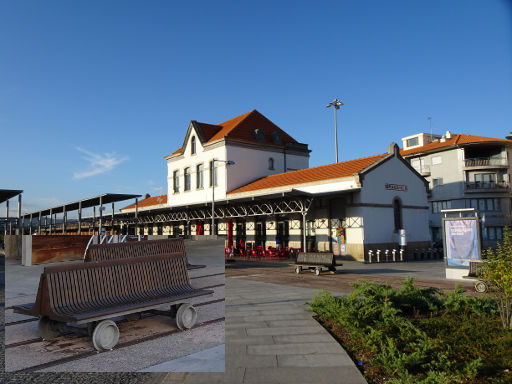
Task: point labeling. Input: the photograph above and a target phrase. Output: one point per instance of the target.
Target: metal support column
(64, 219)
(112, 223)
(30, 225)
(51, 220)
(6, 216)
(100, 227)
(19, 216)
(39, 224)
(136, 215)
(79, 217)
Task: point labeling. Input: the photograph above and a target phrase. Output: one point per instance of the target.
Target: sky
(94, 94)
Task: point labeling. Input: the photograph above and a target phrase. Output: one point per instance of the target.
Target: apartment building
(464, 171)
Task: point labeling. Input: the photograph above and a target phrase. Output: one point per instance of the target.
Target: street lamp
(227, 162)
(336, 104)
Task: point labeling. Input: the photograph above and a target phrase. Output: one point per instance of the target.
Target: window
(412, 142)
(437, 182)
(438, 205)
(485, 180)
(193, 145)
(199, 176)
(187, 179)
(270, 163)
(176, 181)
(437, 160)
(213, 173)
(492, 233)
(484, 204)
(397, 212)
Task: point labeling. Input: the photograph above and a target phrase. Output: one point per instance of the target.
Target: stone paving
(272, 338)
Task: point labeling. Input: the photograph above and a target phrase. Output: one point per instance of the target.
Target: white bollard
(378, 255)
(401, 255)
(386, 252)
(370, 256)
(394, 255)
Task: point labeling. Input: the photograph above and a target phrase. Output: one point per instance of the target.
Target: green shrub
(421, 335)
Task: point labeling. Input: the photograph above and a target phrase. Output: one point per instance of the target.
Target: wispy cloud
(98, 163)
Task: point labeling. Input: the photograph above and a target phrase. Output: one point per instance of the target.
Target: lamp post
(227, 162)
(336, 104)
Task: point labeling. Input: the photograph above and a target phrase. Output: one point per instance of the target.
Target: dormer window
(270, 163)
(193, 145)
(412, 142)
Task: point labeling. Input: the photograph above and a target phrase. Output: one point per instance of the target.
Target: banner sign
(396, 187)
(461, 242)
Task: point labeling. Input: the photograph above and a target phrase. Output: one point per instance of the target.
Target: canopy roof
(105, 198)
(6, 194)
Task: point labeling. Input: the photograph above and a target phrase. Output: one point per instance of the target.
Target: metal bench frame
(94, 292)
(315, 261)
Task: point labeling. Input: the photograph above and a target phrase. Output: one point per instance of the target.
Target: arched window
(270, 163)
(193, 145)
(397, 212)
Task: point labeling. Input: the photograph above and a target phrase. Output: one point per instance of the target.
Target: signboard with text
(462, 242)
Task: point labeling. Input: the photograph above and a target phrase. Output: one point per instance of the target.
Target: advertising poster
(461, 242)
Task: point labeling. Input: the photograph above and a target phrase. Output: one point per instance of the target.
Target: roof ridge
(237, 117)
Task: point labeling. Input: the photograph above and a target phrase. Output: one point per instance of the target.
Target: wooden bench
(114, 251)
(315, 261)
(92, 293)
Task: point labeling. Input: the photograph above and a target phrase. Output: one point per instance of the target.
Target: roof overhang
(6, 194)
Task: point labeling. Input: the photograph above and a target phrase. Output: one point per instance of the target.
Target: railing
(488, 186)
(484, 162)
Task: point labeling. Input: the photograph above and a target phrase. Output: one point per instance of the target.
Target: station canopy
(103, 199)
(6, 194)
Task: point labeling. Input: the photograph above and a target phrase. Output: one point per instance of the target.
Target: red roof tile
(150, 201)
(308, 175)
(241, 128)
(455, 140)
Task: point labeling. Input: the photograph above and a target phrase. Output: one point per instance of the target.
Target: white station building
(259, 179)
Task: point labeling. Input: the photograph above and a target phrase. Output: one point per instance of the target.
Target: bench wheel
(317, 271)
(298, 269)
(47, 328)
(186, 316)
(105, 335)
(480, 287)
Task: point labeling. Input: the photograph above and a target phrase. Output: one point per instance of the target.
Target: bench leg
(298, 269)
(317, 271)
(105, 335)
(48, 329)
(186, 316)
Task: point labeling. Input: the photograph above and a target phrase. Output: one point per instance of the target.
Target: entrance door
(261, 233)
(283, 232)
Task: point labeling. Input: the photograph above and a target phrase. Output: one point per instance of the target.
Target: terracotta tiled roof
(150, 201)
(241, 128)
(208, 130)
(455, 140)
(308, 175)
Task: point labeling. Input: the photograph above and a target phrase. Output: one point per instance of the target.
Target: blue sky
(93, 94)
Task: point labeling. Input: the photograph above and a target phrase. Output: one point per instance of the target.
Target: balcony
(492, 186)
(485, 162)
(424, 170)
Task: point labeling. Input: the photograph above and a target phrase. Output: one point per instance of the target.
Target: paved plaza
(270, 336)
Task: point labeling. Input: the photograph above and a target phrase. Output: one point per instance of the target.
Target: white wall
(252, 164)
(203, 156)
(379, 221)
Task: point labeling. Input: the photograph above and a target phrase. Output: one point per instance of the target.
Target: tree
(497, 272)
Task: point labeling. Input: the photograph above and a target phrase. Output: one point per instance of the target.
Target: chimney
(448, 135)
(147, 196)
